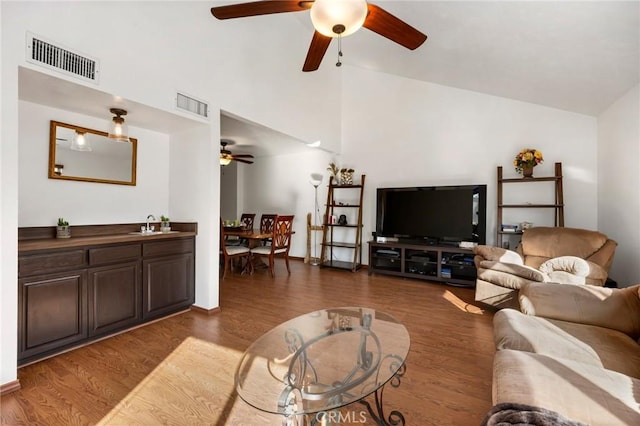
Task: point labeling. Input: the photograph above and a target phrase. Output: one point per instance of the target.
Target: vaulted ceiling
(578, 56)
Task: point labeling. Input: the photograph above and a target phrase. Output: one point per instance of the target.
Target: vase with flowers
(526, 160)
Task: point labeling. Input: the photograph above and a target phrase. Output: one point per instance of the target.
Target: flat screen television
(433, 214)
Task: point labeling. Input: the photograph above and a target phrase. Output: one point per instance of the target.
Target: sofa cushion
(548, 242)
(615, 308)
(576, 390)
(589, 344)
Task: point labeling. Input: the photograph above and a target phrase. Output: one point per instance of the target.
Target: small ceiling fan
(331, 18)
(227, 157)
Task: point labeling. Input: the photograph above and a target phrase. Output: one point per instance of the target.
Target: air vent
(192, 105)
(47, 54)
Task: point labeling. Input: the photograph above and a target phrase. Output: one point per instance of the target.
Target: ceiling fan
(227, 157)
(331, 18)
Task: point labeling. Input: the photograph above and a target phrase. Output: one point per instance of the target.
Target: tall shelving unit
(557, 207)
(350, 236)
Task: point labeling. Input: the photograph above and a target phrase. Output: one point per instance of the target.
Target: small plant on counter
(63, 230)
(165, 226)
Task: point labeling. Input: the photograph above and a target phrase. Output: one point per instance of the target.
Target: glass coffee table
(321, 361)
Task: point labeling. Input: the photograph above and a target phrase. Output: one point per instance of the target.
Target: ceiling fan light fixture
(118, 129)
(225, 159)
(333, 18)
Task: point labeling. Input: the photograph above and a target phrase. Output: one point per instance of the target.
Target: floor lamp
(316, 180)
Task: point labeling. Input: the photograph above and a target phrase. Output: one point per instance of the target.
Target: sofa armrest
(522, 271)
(497, 254)
(614, 308)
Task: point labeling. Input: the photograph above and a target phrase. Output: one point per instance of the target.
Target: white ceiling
(578, 56)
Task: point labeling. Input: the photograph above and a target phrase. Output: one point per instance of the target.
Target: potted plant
(165, 225)
(526, 160)
(63, 230)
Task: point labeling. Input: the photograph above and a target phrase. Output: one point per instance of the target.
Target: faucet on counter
(148, 228)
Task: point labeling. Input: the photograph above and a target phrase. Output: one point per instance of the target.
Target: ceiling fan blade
(382, 22)
(240, 160)
(266, 7)
(242, 156)
(317, 49)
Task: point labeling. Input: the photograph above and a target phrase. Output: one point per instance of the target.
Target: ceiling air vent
(192, 105)
(45, 53)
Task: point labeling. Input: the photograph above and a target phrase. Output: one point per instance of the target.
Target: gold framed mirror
(82, 154)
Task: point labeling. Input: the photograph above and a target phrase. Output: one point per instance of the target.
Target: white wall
(148, 51)
(229, 191)
(402, 132)
(42, 200)
(619, 183)
(281, 185)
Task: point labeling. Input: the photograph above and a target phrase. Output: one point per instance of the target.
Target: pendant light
(80, 142)
(118, 130)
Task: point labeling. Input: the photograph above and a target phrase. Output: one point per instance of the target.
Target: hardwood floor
(449, 367)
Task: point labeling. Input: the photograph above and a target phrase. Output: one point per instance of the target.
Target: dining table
(255, 236)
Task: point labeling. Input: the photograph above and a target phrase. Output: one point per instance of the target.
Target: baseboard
(9, 387)
(205, 311)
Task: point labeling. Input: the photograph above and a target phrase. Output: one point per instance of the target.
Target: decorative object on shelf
(342, 220)
(165, 225)
(525, 225)
(526, 160)
(335, 171)
(346, 176)
(63, 230)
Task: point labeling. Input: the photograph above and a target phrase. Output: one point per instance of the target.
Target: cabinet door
(115, 294)
(168, 284)
(52, 312)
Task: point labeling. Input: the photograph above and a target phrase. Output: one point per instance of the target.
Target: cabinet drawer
(51, 262)
(102, 255)
(161, 248)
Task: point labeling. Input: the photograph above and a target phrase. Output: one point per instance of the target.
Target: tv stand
(441, 263)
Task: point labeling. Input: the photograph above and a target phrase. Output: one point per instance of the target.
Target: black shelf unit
(353, 238)
(448, 264)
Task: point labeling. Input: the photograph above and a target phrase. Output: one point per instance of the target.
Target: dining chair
(230, 253)
(246, 220)
(280, 242)
(266, 226)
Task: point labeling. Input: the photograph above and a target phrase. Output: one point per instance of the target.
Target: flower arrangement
(528, 157)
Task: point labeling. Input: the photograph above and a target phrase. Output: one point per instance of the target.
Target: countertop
(58, 243)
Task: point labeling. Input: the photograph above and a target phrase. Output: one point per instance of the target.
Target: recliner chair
(545, 254)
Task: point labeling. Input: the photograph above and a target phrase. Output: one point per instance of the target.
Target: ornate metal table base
(395, 417)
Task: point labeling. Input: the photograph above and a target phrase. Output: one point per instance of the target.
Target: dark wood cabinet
(449, 264)
(114, 297)
(52, 312)
(168, 284)
(69, 296)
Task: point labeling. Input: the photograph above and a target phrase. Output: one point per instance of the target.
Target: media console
(451, 265)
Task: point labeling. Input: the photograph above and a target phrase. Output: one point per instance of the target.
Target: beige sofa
(545, 254)
(574, 350)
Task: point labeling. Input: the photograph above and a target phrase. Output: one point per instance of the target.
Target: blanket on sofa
(511, 414)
